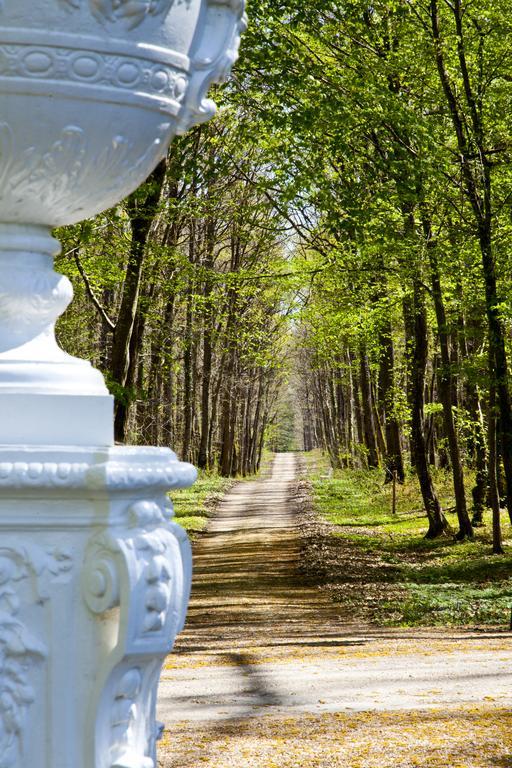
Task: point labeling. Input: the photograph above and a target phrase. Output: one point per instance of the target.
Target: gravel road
(260, 643)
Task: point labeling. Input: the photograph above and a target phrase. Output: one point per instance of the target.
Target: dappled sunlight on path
(246, 587)
(268, 673)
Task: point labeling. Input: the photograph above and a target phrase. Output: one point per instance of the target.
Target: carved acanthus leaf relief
(119, 163)
(55, 176)
(48, 175)
(130, 12)
(33, 562)
(125, 712)
(19, 649)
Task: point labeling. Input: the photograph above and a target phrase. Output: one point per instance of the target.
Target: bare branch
(90, 292)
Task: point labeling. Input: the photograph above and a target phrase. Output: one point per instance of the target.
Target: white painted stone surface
(94, 573)
(94, 584)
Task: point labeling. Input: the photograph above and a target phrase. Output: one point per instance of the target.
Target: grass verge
(389, 571)
(193, 506)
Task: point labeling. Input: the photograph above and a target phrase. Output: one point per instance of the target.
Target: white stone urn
(94, 573)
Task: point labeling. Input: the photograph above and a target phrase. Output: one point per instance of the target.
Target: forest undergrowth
(380, 568)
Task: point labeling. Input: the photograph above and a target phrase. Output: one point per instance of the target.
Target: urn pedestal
(94, 584)
(94, 573)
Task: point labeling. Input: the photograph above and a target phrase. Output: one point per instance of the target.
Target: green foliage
(307, 211)
(281, 435)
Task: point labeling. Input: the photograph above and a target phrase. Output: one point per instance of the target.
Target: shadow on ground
(254, 610)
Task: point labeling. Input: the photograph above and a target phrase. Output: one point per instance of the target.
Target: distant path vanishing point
(267, 673)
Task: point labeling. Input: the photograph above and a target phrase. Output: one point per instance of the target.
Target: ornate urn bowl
(94, 572)
(91, 94)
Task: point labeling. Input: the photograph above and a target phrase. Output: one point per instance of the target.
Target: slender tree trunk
(478, 441)
(498, 368)
(126, 399)
(212, 459)
(256, 427)
(142, 207)
(497, 545)
(446, 390)
(226, 451)
(394, 458)
(367, 410)
(202, 458)
(379, 432)
(188, 399)
(417, 343)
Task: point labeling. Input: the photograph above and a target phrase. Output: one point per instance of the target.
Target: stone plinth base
(94, 584)
(27, 419)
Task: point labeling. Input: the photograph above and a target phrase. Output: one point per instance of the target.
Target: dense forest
(327, 263)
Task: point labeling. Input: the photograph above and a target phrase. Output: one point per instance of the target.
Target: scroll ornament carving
(211, 67)
(130, 12)
(146, 570)
(19, 649)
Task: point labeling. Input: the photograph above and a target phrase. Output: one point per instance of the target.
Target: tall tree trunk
(498, 368)
(379, 432)
(142, 207)
(188, 401)
(367, 410)
(202, 457)
(417, 342)
(214, 404)
(394, 458)
(226, 449)
(478, 440)
(126, 398)
(446, 389)
(497, 545)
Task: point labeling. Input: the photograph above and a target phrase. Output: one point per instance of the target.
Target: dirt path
(268, 674)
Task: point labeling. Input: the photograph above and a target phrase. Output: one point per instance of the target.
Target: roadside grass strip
(194, 506)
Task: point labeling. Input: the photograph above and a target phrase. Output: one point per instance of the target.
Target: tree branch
(90, 292)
